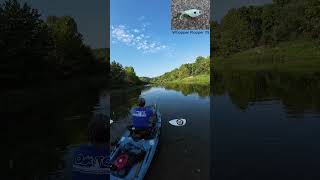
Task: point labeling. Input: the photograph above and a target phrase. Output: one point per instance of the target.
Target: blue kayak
(133, 154)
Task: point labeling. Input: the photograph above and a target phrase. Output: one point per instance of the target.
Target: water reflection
(187, 89)
(298, 93)
(266, 125)
(45, 124)
(123, 100)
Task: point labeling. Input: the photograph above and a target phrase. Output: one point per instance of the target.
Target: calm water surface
(184, 152)
(265, 126)
(45, 124)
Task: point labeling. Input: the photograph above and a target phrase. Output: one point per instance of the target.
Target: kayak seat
(138, 134)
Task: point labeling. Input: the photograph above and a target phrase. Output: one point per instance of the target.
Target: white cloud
(135, 39)
(120, 34)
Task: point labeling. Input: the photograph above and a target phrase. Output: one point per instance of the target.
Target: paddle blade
(178, 122)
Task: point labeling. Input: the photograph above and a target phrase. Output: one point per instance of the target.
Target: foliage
(312, 18)
(24, 42)
(102, 54)
(199, 67)
(123, 76)
(198, 79)
(145, 79)
(33, 51)
(70, 54)
(293, 57)
(215, 37)
(268, 25)
(239, 30)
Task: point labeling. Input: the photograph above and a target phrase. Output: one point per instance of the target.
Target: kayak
(132, 156)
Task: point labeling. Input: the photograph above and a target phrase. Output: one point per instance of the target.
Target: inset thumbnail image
(191, 14)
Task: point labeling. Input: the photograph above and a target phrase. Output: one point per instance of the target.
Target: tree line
(253, 26)
(123, 76)
(199, 67)
(33, 50)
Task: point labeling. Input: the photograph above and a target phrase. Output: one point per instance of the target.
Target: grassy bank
(299, 56)
(199, 79)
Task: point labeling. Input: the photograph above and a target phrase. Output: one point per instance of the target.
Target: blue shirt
(141, 117)
(90, 163)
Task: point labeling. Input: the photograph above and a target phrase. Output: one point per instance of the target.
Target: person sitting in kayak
(91, 161)
(142, 116)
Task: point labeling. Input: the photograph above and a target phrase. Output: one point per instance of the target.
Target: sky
(91, 17)
(221, 7)
(141, 37)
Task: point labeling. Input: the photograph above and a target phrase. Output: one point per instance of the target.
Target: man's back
(141, 117)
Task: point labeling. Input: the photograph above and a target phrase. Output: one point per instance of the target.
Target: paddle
(178, 122)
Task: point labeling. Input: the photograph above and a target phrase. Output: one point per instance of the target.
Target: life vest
(141, 117)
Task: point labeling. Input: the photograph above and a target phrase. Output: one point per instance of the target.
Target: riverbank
(203, 79)
(296, 57)
(199, 79)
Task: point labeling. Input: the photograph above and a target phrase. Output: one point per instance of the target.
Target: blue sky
(141, 37)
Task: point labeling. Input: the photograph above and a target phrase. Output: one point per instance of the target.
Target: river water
(45, 123)
(184, 152)
(265, 126)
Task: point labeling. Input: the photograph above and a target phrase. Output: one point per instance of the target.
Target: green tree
(185, 70)
(117, 73)
(252, 15)
(201, 66)
(131, 76)
(71, 54)
(269, 21)
(312, 18)
(24, 43)
(281, 2)
(215, 37)
(235, 33)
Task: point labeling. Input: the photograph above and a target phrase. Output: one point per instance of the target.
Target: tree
(70, 53)
(131, 76)
(24, 43)
(235, 33)
(252, 15)
(283, 21)
(215, 37)
(312, 18)
(201, 66)
(281, 2)
(117, 73)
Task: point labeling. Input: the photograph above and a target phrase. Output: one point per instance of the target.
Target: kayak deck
(145, 146)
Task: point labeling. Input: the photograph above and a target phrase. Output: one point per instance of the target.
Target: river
(265, 126)
(47, 123)
(184, 152)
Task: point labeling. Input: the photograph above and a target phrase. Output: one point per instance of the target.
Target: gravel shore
(200, 22)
